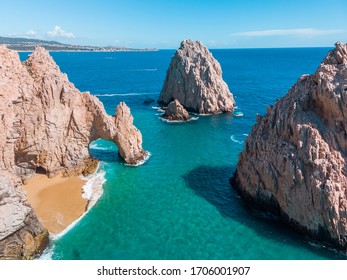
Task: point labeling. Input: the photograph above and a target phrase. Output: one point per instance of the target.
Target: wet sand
(58, 201)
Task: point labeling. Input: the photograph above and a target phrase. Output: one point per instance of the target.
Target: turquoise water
(179, 204)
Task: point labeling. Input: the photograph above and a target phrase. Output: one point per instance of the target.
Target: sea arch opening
(103, 150)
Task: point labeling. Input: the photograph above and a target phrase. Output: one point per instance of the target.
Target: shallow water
(179, 204)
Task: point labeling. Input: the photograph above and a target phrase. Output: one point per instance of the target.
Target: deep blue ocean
(179, 204)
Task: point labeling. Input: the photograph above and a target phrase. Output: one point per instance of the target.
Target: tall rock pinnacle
(194, 78)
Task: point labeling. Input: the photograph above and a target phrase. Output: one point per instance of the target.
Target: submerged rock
(294, 160)
(176, 112)
(194, 78)
(148, 101)
(46, 123)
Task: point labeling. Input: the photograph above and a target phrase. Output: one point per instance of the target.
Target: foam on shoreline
(141, 162)
(92, 190)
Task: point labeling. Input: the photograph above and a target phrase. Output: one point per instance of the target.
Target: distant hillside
(25, 44)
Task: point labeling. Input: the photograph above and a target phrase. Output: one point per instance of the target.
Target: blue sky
(164, 23)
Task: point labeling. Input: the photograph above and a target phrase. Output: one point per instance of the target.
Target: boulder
(176, 112)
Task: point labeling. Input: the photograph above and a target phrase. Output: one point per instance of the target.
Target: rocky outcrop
(194, 78)
(176, 112)
(127, 137)
(47, 124)
(21, 234)
(294, 160)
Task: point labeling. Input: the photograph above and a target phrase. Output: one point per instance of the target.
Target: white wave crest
(233, 138)
(170, 121)
(143, 70)
(47, 254)
(120, 94)
(159, 109)
(95, 146)
(93, 190)
(125, 94)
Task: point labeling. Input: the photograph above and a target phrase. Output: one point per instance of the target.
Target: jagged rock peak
(294, 160)
(41, 56)
(338, 55)
(128, 137)
(194, 78)
(176, 112)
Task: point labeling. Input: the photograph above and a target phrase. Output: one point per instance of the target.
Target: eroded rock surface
(128, 137)
(294, 160)
(176, 112)
(194, 78)
(21, 234)
(45, 122)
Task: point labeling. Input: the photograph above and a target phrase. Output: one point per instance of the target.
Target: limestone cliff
(294, 160)
(194, 78)
(46, 123)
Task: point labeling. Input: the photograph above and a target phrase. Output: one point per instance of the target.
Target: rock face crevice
(46, 123)
(294, 160)
(194, 78)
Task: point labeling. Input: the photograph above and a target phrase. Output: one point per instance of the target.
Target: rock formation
(127, 137)
(194, 78)
(46, 123)
(294, 162)
(21, 234)
(176, 112)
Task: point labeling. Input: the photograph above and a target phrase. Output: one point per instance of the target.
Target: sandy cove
(57, 201)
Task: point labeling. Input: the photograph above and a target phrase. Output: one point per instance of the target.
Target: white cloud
(284, 32)
(31, 33)
(212, 43)
(59, 32)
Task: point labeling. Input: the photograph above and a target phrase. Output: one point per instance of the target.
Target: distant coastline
(28, 45)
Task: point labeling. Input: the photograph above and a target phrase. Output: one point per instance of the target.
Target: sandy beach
(57, 201)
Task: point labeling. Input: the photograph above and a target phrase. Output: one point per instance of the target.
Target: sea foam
(159, 109)
(142, 162)
(119, 94)
(170, 121)
(142, 70)
(95, 146)
(236, 139)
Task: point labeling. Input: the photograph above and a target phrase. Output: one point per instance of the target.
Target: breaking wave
(238, 138)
